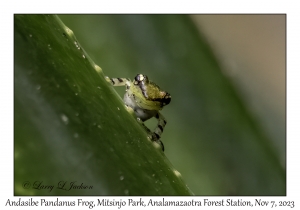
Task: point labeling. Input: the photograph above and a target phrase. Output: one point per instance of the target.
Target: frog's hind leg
(160, 125)
(159, 128)
(152, 135)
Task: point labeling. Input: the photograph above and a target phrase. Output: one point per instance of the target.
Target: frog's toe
(155, 138)
(158, 141)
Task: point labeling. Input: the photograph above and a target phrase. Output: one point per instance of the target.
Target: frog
(146, 99)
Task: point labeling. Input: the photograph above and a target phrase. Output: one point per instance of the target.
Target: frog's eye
(139, 78)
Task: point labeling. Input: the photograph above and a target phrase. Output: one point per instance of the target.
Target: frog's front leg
(118, 81)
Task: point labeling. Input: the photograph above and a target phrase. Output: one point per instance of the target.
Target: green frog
(146, 99)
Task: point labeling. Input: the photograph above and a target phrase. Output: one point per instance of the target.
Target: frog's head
(151, 91)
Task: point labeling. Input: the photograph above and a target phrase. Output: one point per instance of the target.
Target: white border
(156, 6)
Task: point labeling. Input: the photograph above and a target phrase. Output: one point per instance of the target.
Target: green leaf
(218, 146)
(70, 125)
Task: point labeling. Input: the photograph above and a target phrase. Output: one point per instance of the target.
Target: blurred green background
(222, 134)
